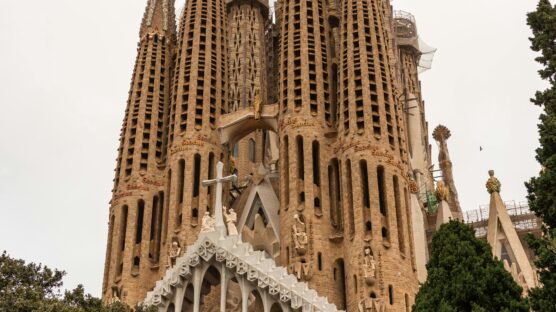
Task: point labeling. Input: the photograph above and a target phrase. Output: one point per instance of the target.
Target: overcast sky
(65, 70)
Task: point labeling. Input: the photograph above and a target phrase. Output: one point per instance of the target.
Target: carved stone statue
(207, 224)
(116, 294)
(231, 218)
(173, 254)
(493, 185)
(441, 192)
(372, 305)
(369, 266)
(299, 233)
(258, 104)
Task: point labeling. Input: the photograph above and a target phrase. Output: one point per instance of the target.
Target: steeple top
(160, 16)
(493, 185)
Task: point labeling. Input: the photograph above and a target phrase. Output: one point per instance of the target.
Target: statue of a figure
(231, 218)
(369, 266)
(299, 235)
(173, 254)
(493, 185)
(372, 305)
(208, 223)
(258, 104)
(116, 294)
(441, 192)
(521, 281)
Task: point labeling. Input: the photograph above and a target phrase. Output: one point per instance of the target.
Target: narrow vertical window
(391, 294)
(123, 227)
(181, 180)
(211, 175)
(159, 226)
(286, 167)
(316, 163)
(235, 151)
(197, 176)
(252, 151)
(381, 191)
(300, 159)
(364, 173)
(349, 194)
(399, 215)
(139, 226)
(154, 216)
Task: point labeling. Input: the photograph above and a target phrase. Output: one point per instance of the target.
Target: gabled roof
(240, 259)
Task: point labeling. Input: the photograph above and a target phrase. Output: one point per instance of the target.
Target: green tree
(463, 276)
(542, 189)
(34, 287)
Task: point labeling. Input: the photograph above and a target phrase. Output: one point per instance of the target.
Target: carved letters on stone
(303, 271)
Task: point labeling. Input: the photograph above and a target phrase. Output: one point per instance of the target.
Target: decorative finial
(493, 185)
(441, 192)
(441, 133)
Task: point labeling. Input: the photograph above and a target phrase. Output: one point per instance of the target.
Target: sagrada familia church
(277, 158)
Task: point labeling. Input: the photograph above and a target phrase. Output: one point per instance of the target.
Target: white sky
(65, 70)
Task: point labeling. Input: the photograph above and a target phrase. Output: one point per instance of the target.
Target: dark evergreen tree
(463, 276)
(542, 189)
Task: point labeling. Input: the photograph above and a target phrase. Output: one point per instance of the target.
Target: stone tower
(134, 252)
(323, 90)
(304, 121)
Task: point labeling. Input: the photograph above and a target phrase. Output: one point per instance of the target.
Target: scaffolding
(405, 28)
(523, 219)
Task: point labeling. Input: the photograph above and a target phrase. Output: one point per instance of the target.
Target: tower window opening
(319, 257)
(300, 159)
(140, 217)
(381, 191)
(197, 176)
(181, 180)
(365, 184)
(399, 215)
(391, 294)
(316, 163)
(286, 172)
(252, 151)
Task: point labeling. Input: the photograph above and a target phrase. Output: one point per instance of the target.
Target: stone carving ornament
(299, 233)
(372, 305)
(493, 185)
(441, 192)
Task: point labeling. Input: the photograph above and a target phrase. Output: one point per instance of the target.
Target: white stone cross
(220, 227)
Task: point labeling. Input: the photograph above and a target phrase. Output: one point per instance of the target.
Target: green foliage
(463, 276)
(31, 287)
(542, 189)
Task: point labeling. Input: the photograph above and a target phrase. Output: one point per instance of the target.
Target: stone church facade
(316, 106)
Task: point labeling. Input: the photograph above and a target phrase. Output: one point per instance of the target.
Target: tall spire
(160, 16)
(501, 233)
(441, 134)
